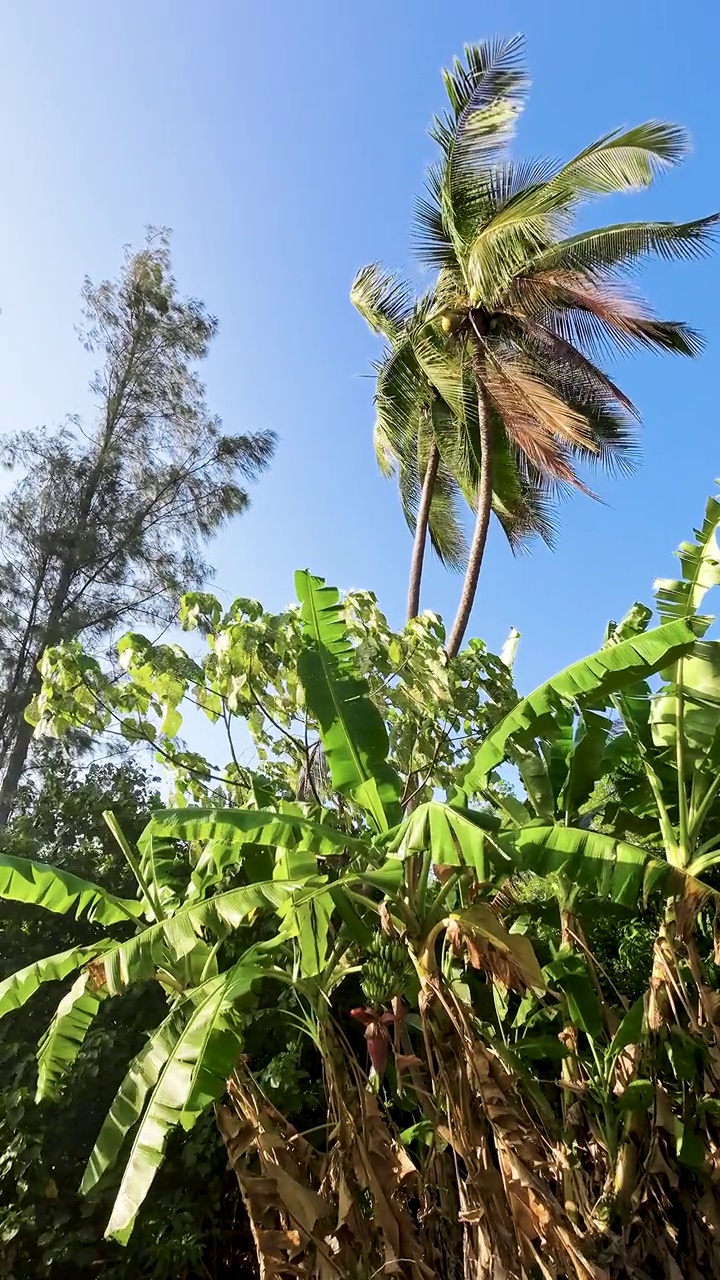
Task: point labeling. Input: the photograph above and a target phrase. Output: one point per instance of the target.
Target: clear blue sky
(284, 142)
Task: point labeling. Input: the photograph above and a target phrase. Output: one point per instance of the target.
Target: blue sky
(284, 143)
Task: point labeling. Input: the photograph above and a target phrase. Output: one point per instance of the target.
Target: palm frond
(522, 500)
(401, 395)
(446, 534)
(486, 93)
(626, 160)
(568, 366)
(384, 455)
(626, 243)
(524, 209)
(538, 424)
(432, 244)
(383, 299)
(598, 317)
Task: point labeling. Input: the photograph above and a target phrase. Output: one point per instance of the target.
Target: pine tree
(107, 521)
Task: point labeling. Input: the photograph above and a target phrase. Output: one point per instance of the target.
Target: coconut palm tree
(522, 310)
(527, 306)
(419, 429)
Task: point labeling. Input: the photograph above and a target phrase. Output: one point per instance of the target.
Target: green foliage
(107, 523)
(353, 734)
(45, 1226)
(478, 1028)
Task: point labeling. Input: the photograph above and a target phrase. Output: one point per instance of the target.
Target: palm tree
(410, 415)
(521, 309)
(420, 427)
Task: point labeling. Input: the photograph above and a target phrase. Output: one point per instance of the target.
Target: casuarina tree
(108, 520)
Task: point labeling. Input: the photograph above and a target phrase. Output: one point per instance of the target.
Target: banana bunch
(384, 972)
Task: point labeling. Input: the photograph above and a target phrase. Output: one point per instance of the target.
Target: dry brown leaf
(302, 1203)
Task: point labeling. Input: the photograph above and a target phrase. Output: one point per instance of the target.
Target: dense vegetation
(431, 986)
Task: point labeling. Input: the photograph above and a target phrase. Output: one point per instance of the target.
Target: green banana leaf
(697, 682)
(191, 1047)
(39, 885)
(533, 770)
(700, 563)
(607, 866)
(20, 986)
(240, 826)
(586, 761)
(137, 958)
(454, 837)
(599, 675)
(307, 921)
(64, 1038)
(128, 1103)
(144, 1071)
(351, 727)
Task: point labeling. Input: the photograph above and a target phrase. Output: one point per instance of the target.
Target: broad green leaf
(137, 958)
(64, 1038)
(585, 761)
(535, 777)
(454, 838)
(697, 680)
(598, 676)
(128, 1103)
(613, 868)
(145, 1069)
(20, 986)
(630, 1030)
(638, 1096)
(568, 974)
(308, 921)
(556, 747)
(39, 885)
(700, 564)
(351, 727)
(239, 826)
(361, 931)
(691, 1149)
(192, 1047)
(538, 1047)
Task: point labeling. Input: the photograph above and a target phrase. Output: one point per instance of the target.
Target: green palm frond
(486, 93)
(626, 160)
(401, 396)
(523, 502)
(383, 299)
(626, 243)
(431, 241)
(446, 534)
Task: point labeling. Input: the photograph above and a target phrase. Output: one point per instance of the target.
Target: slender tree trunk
(421, 529)
(16, 759)
(482, 523)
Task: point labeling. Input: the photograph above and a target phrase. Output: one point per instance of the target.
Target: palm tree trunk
(482, 523)
(421, 528)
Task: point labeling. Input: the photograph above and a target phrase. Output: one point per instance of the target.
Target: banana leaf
(64, 1038)
(594, 678)
(351, 727)
(40, 885)
(20, 986)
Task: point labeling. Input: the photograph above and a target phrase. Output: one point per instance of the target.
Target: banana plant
(486, 1087)
(621, 782)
